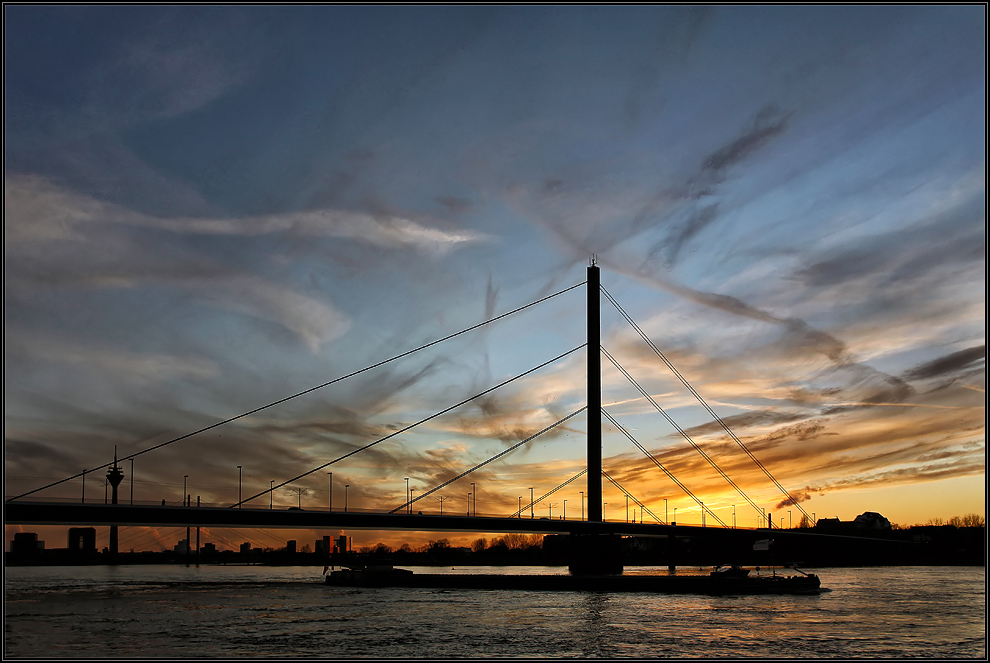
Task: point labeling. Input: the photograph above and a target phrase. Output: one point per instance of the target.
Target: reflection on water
(216, 611)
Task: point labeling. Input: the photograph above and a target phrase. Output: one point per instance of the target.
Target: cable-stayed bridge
(30, 508)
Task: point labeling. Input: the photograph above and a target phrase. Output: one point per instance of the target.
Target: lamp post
(329, 491)
(665, 519)
(733, 516)
(627, 508)
(565, 509)
(604, 504)
(346, 486)
(582, 504)
(238, 486)
(519, 515)
(790, 523)
(184, 494)
(469, 504)
(475, 494)
(408, 506)
(530, 503)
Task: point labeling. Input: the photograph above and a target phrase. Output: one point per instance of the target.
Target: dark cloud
(671, 245)
(955, 236)
(491, 299)
(950, 363)
(796, 497)
(29, 453)
(769, 123)
(744, 421)
(972, 466)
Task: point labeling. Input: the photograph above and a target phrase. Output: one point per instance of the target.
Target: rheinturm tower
(114, 475)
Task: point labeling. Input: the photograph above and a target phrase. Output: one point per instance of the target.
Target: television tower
(114, 475)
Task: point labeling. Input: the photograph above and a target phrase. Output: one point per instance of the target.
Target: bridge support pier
(595, 554)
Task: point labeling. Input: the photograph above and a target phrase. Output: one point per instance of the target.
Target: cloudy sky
(210, 209)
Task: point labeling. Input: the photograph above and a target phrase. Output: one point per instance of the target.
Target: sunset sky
(208, 209)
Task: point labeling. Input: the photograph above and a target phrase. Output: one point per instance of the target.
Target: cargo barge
(715, 583)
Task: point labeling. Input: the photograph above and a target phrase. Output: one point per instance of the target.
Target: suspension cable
(701, 400)
(301, 393)
(660, 465)
(495, 457)
(634, 499)
(546, 495)
(403, 430)
(680, 430)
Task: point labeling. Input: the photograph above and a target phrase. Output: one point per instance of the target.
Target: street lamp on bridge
(408, 506)
(469, 504)
(565, 510)
(346, 486)
(733, 516)
(184, 491)
(665, 519)
(475, 494)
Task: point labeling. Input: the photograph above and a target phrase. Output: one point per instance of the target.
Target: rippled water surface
(227, 611)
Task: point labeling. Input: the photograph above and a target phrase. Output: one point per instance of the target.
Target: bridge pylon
(595, 554)
(594, 395)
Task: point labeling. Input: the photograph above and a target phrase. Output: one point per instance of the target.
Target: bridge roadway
(78, 514)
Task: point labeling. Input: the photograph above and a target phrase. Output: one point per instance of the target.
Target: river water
(262, 611)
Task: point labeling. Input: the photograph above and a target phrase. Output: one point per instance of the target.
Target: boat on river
(718, 582)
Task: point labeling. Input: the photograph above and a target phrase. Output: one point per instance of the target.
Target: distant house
(871, 520)
(864, 521)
